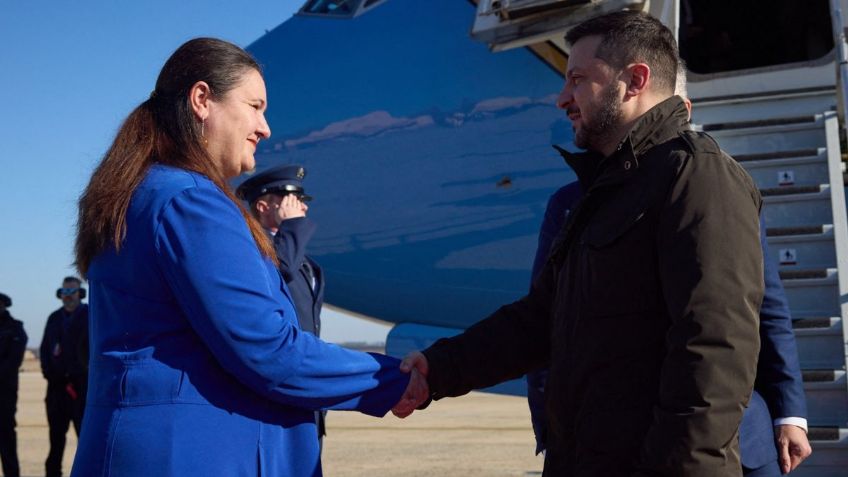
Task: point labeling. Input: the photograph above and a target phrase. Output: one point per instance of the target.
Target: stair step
(827, 401)
(812, 293)
(767, 95)
(789, 190)
(828, 434)
(830, 453)
(805, 274)
(798, 210)
(820, 343)
(813, 233)
(770, 136)
(785, 172)
(816, 324)
(761, 105)
(820, 350)
(800, 230)
(761, 123)
(809, 193)
(808, 278)
(807, 251)
(821, 375)
(768, 156)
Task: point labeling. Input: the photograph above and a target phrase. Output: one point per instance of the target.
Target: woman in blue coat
(198, 366)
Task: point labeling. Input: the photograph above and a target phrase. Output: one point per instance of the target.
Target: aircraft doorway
(729, 35)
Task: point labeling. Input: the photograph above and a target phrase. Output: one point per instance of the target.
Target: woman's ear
(199, 97)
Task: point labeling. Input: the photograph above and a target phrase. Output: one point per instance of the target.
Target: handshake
(417, 394)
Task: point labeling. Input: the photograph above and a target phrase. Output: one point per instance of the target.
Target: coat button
(626, 165)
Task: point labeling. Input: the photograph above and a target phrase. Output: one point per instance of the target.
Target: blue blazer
(198, 366)
(778, 388)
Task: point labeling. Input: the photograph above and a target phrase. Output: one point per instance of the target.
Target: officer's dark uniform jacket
(63, 351)
(300, 272)
(304, 278)
(646, 313)
(13, 342)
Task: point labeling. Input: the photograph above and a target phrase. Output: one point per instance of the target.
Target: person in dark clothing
(64, 364)
(278, 201)
(773, 439)
(646, 310)
(13, 342)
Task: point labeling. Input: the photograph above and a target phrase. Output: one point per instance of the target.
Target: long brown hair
(162, 130)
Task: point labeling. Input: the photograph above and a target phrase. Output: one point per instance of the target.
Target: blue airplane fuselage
(429, 156)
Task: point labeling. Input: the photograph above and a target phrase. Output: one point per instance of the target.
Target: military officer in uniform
(13, 342)
(277, 200)
(64, 364)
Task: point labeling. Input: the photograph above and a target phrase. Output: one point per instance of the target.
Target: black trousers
(8, 436)
(62, 409)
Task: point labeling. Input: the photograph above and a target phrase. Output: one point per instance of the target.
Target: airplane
(426, 131)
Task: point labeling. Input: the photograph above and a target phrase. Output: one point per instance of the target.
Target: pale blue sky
(71, 72)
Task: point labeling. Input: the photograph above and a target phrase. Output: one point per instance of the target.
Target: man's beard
(598, 131)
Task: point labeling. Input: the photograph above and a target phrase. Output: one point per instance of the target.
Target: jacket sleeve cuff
(300, 224)
(792, 421)
(437, 362)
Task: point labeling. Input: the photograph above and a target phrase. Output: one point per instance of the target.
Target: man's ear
(639, 76)
(261, 206)
(688, 103)
(199, 96)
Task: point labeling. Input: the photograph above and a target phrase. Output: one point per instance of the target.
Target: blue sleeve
(778, 371)
(290, 244)
(224, 286)
(560, 202)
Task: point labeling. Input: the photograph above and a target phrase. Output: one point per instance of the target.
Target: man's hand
(415, 360)
(291, 207)
(69, 388)
(417, 392)
(792, 446)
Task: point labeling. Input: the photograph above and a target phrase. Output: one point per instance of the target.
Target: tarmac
(475, 435)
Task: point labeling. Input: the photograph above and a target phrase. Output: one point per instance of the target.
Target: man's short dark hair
(633, 37)
(72, 279)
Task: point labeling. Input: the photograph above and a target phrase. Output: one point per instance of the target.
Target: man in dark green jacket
(647, 311)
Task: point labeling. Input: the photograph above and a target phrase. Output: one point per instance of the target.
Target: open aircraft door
(506, 24)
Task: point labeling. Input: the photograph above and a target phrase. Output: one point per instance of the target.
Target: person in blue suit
(278, 201)
(772, 435)
(198, 365)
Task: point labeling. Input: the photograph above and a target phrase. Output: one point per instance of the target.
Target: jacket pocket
(604, 233)
(618, 265)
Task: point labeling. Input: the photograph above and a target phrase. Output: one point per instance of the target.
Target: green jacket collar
(658, 125)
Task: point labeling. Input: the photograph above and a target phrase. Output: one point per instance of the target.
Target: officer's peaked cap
(285, 179)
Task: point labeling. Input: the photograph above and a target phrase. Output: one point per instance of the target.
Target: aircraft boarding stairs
(789, 142)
